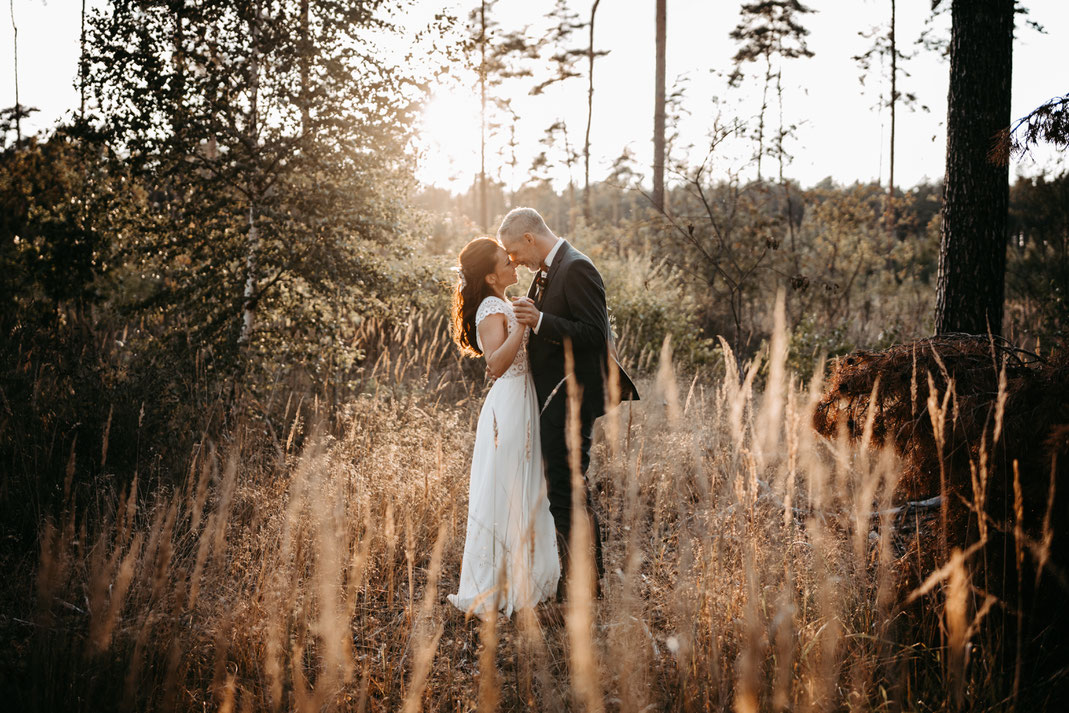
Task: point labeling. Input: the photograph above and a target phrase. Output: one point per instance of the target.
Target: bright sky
(839, 132)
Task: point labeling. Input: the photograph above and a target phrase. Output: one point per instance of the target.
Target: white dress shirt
(549, 261)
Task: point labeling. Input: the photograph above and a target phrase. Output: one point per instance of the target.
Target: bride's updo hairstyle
(477, 260)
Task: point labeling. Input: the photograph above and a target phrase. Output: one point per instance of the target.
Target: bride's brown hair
(476, 260)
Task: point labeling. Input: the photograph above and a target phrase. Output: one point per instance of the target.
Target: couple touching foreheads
(520, 492)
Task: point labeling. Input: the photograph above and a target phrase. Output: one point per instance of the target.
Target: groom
(566, 303)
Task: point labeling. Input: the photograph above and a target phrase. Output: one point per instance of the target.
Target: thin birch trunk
(253, 239)
(569, 159)
(305, 46)
(178, 89)
(589, 115)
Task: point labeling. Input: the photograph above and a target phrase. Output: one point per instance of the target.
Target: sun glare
(448, 139)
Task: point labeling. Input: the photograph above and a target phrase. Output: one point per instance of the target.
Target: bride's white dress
(510, 550)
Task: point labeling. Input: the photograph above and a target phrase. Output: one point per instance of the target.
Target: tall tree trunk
(889, 217)
(589, 114)
(305, 49)
(484, 206)
(18, 107)
(569, 159)
(761, 115)
(513, 161)
(783, 182)
(253, 238)
(81, 68)
(972, 250)
(658, 110)
(178, 89)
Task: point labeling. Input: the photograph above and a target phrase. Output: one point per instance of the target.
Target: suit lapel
(558, 260)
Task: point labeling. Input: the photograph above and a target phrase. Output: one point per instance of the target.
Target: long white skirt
(510, 549)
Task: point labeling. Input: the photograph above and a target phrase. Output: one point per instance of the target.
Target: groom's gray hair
(520, 221)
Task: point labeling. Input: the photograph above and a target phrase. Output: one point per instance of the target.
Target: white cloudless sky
(839, 132)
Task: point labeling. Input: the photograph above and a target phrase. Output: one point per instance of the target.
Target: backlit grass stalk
(750, 564)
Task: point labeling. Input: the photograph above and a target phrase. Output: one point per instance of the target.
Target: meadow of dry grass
(751, 566)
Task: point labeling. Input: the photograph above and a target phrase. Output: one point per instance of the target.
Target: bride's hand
(526, 312)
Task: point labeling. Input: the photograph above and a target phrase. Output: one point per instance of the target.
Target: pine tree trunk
(658, 110)
(761, 116)
(589, 115)
(81, 68)
(570, 162)
(889, 217)
(18, 107)
(972, 250)
(783, 182)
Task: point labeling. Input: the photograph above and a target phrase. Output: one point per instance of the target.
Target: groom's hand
(526, 312)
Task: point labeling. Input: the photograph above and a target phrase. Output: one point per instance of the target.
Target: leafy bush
(648, 302)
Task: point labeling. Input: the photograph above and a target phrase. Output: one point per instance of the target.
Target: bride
(510, 550)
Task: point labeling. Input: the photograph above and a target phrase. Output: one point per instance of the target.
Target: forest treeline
(851, 280)
(104, 333)
(228, 218)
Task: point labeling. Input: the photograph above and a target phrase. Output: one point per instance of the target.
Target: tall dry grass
(750, 566)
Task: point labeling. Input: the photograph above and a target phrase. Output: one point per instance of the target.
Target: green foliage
(243, 163)
(1047, 123)
(1037, 269)
(770, 28)
(648, 301)
(61, 196)
(857, 276)
(769, 33)
(723, 237)
(728, 246)
(811, 340)
(273, 143)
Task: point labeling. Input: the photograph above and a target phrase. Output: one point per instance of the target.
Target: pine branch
(1048, 123)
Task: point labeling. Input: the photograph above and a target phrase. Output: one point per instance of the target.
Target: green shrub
(648, 303)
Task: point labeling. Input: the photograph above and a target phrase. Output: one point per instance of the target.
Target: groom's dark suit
(573, 308)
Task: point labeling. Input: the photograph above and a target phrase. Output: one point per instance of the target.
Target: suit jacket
(573, 307)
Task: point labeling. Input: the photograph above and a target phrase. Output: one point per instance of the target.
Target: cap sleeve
(489, 306)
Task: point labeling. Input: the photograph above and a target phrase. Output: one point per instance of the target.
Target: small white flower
(460, 277)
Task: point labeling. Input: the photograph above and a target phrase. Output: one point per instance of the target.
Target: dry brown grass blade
(956, 617)
(488, 680)
(581, 587)
(106, 437)
(749, 664)
(426, 635)
(715, 574)
(771, 424)
(666, 382)
(941, 574)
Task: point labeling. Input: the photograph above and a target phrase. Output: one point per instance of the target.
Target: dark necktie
(540, 283)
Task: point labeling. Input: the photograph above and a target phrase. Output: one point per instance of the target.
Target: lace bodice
(496, 305)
